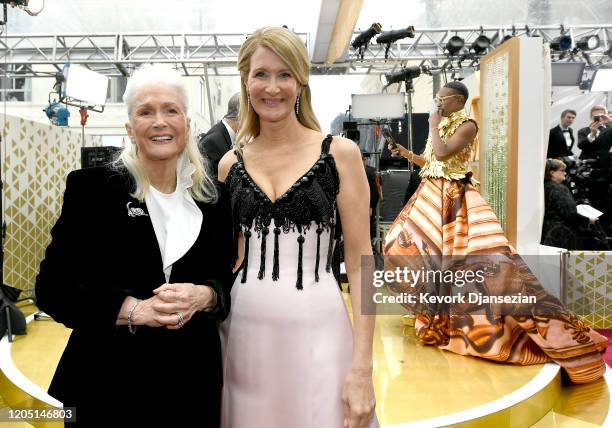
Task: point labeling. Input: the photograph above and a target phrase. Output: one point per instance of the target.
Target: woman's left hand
(183, 298)
(358, 399)
(434, 119)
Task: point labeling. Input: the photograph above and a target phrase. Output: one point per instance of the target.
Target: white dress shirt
(230, 131)
(176, 218)
(568, 136)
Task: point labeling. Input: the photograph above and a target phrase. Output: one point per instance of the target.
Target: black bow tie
(566, 130)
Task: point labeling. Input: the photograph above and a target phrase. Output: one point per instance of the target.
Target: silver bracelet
(132, 328)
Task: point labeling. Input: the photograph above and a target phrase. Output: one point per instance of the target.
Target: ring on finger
(181, 320)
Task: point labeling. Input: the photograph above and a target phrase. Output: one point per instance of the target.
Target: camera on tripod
(580, 176)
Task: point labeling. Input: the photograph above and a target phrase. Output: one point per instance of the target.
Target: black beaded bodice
(310, 201)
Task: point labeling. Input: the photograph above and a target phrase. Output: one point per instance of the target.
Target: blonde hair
(203, 188)
(291, 49)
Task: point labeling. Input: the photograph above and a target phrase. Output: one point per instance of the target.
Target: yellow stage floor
(416, 386)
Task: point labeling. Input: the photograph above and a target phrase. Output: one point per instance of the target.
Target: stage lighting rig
(388, 37)
(481, 44)
(406, 74)
(31, 7)
(562, 43)
(454, 45)
(363, 38)
(588, 43)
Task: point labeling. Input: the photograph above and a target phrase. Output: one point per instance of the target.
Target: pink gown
(287, 344)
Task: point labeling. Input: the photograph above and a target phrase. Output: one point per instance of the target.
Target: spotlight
(454, 45)
(389, 37)
(57, 113)
(561, 44)
(363, 38)
(407, 73)
(395, 35)
(588, 43)
(481, 44)
(31, 7)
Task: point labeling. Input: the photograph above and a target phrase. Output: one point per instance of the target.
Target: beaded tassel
(245, 264)
(330, 248)
(275, 262)
(319, 231)
(262, 263)
(298, 284)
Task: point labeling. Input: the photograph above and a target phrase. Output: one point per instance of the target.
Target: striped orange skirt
(450, 218)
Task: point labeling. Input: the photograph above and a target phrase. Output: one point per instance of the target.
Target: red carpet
(608, 354)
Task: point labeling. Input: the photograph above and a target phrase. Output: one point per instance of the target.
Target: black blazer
(589, 149)
(557, 147)
(214, 144)
(103, 249)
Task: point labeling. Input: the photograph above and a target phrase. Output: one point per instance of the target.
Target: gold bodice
(455, 167)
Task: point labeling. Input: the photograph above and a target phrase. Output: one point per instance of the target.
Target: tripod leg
(9, 328)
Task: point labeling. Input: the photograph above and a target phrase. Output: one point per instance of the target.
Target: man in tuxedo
(220, 138)
(600, 122)
(561, 137)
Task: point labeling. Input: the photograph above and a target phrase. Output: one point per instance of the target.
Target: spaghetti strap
(326, 144)
(239, 156)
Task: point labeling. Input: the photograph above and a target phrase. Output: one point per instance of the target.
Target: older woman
(291, 357)
(135, 270)
(561, 220)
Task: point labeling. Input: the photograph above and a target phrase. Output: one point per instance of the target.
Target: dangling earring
(249, 101)
(297, 106)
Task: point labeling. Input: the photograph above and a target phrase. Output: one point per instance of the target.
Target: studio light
(363, 38)
(602, 80)
(57, 113)
(31, 7)
(561, 43)
(454, 45)
(481, 44)
(395, 35)
(81, 87)
(389, 37)
(405, 74)
(588, 43)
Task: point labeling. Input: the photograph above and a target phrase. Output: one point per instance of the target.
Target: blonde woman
(135, 270)
(291, 358)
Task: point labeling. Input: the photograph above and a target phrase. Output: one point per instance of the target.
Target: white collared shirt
(567, 135)
(176, 218)
(230, 131)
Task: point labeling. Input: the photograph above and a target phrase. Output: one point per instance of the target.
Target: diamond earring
(297, 106)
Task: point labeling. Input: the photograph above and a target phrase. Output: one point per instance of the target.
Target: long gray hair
(203, 188)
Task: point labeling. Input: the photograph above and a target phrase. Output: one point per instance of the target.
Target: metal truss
(204, 54)
(194, 54)
(428, 47)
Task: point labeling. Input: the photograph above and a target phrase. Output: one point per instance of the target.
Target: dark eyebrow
(263, 69)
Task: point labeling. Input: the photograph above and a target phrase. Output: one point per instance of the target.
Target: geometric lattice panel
(589, 287)
(36, 160)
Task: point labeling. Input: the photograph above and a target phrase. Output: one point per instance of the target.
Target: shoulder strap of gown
(326, 144)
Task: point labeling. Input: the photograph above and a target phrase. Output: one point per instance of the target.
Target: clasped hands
(170, 300)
